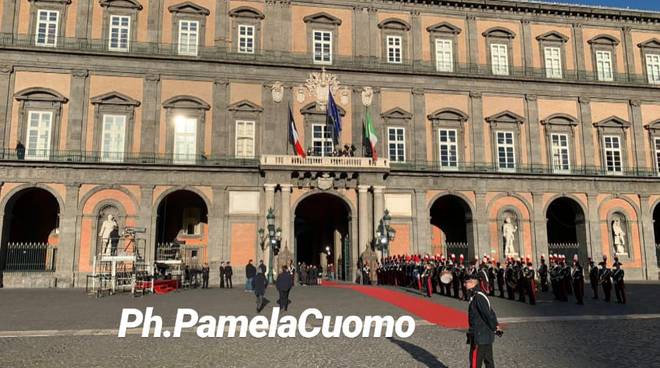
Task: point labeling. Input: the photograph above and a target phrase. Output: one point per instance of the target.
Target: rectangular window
(246, 39)
(322, 43)
(657, 154)
(394, 49)
(40, 124)
(113, 138)
(613, 160)
(396, 143)
(120, 29)
(185, 140)
(322, 140)
(444, 55)
(499, 58)
(47, 24)
(552, 62)
(188, 37)
(245, 139)
(604, 65)
(653, 68)
(560, 153)
(506, 156)
(448, 140)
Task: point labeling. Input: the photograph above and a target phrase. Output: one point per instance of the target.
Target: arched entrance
(323, 222)
(566, 229)
(30, 231)
(451, 220)
(656, 231)
(182, 228)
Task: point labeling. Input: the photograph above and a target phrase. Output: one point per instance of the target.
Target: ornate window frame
(188, 106)
(651, 46)
(40, 99)
(322, 22)
(313, 116)
(120, 7)
(62, 6)
(245, 15)
(506, 121)
(114, 103)
(398, 28)
(560, 123)
(190, 11)
(613, 126)
(246, 110)
(445, 31)
(397, 118)
(604, 42)
(448, 118)
(654, 133)
(553, 39)
(499, 35)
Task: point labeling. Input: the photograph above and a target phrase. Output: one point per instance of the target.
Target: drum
(446, 277)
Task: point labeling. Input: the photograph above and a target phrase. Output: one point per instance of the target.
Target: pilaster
(216, 243)
(84, 13)
(219, 125)
(588, 151)
(155, 21)
(477, 127)
(534, 130)
(361, 39)
(374, 34)
(528, 59)
(285, 215)
(363, 222)
(593, 221)
(222, 23)
(481, 218)
(6, 73)
(419, 124)
(422, 222)
(629, 51)
(77, 109)
(539, 220)
(66, 252)
(9, 8)
(638, 134)
(578, 47)
(650, 262)
(379, 210)
(473, 40)
(417, 35)
(146, 220)
(150, 114)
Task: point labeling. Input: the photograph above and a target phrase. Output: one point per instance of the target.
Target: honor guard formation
(516, 279)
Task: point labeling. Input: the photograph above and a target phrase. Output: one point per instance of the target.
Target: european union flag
(334, 118)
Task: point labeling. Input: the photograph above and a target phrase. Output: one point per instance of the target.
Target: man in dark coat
(262, 267)
(284, 283)
(229, 272)
(260, 285)
(617, 278)
(593, 278)
(222, 274)
(205, 276)
(250, 273)
(483, 325)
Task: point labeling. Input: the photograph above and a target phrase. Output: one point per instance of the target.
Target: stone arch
(88, 199)
(20, 188)
(579, 201)
(171, 190)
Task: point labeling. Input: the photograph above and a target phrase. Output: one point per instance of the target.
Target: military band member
(577, 275)
(566, 269)
(492, 277)
(520, 279)
(619, 287)
(484, 281)
(529, 282)
(543, 274)
(509, 277)
(426, 276)
(605, 279)
(593, 278)
(456, 279)
(499, 272)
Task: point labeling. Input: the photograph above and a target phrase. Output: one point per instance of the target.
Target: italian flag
(370, 134)
(293, 136)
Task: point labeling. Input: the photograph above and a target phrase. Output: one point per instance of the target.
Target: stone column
(477, 127)
(221, 22)
(155, 21)
(274, 133)
(362, 219)
(379, 210)
(66, 252)
(540, 228)
(83, 16)
(422, 220)
(216, 242)
(6, 72)
(593, 221)
(419, 125)
(588, 151)
(146, 220)
(220, 124)
(648, 239)
(578, 46)
(629, 50)
(277, 26)
(269, 203)
(374, 34)
(285, 215)
(528, 58)
(358, 110)
(361, 39)
(8, 15)
(473, 39)
(638, 135)
(150, 114)
(482, 240)
(534, 130)
(418, 35)
(77, 109)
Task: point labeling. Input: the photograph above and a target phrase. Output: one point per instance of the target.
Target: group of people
(515, 279)
(309, 274)
(346, 151)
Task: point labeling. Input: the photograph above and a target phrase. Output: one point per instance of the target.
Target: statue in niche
(109, 235)
(619, 236)
(509, 235)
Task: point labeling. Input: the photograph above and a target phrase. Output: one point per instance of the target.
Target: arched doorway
(656, 231)
(30, 231)
(322, 228)
(566, 229)
(451, 220)
(182, 228)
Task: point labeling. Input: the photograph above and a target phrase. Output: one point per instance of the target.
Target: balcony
(319, 162)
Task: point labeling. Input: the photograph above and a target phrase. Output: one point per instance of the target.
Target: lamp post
(385, 233)
(274, 238)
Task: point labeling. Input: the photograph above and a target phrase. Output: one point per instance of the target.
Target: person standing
(500, 279)
(205, 276)
(284, 283)
(543, 275)
(260, 285)
(577, 275)
(229, 272)
(222, 274)
(250, 272)
(262, 267)
(605, 279)
(483, 326)
(20, 150)
(593, 278)
(529, 282)
(619, 287)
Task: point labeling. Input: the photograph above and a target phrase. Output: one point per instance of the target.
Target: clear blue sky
(632, 4)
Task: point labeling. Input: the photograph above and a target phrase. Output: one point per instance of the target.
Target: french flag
(293, 136)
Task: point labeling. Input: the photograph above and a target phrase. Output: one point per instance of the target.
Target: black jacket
(260, 284)
(229, 271)
(482, 318)
(284, 281)
(250, 271)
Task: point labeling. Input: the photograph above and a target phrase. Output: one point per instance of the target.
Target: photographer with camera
(483, 325)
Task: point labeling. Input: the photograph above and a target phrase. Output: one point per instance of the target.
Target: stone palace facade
(539, 120)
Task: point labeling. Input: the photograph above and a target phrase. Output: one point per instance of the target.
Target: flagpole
(288, 130)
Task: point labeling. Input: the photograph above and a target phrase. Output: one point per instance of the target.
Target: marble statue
(619, 236)
(108, 229)
(509, 234)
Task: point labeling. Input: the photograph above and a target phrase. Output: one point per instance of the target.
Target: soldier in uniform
(605, 279)
(529, 281)
(566, 269)
(593, 278)
(543, 274)
(426, 279)
(619, 287)
(509, 276)
(577, 275)
(222, 274)
(520, 279)
(455, 281)
(484, 281)
(462, 276)
(492, 277)
(205, 276)
(499, 272)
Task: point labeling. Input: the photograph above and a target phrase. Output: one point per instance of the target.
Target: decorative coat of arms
(278, 91)
(367, 96)
(320, 85)
(325, 182)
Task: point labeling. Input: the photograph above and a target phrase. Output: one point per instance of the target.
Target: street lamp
(274, 238)
(385, 233)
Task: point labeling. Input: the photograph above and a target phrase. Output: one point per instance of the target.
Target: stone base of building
(30, 280)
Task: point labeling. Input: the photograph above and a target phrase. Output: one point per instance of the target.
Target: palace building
(173, 116)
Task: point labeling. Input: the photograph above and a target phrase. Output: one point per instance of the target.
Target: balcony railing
(286, 58)
(324, 162)
(28, 257)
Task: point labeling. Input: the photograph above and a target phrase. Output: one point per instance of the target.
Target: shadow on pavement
(418, 353)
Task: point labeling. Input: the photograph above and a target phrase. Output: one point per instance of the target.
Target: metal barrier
(29, 257)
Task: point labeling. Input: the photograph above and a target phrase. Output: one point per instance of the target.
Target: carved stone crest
(300, 94)
(278, 91)
(367, 96)
(344, 95)
(325, 182)
(320, 85)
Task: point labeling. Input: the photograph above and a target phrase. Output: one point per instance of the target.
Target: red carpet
(435, 313)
